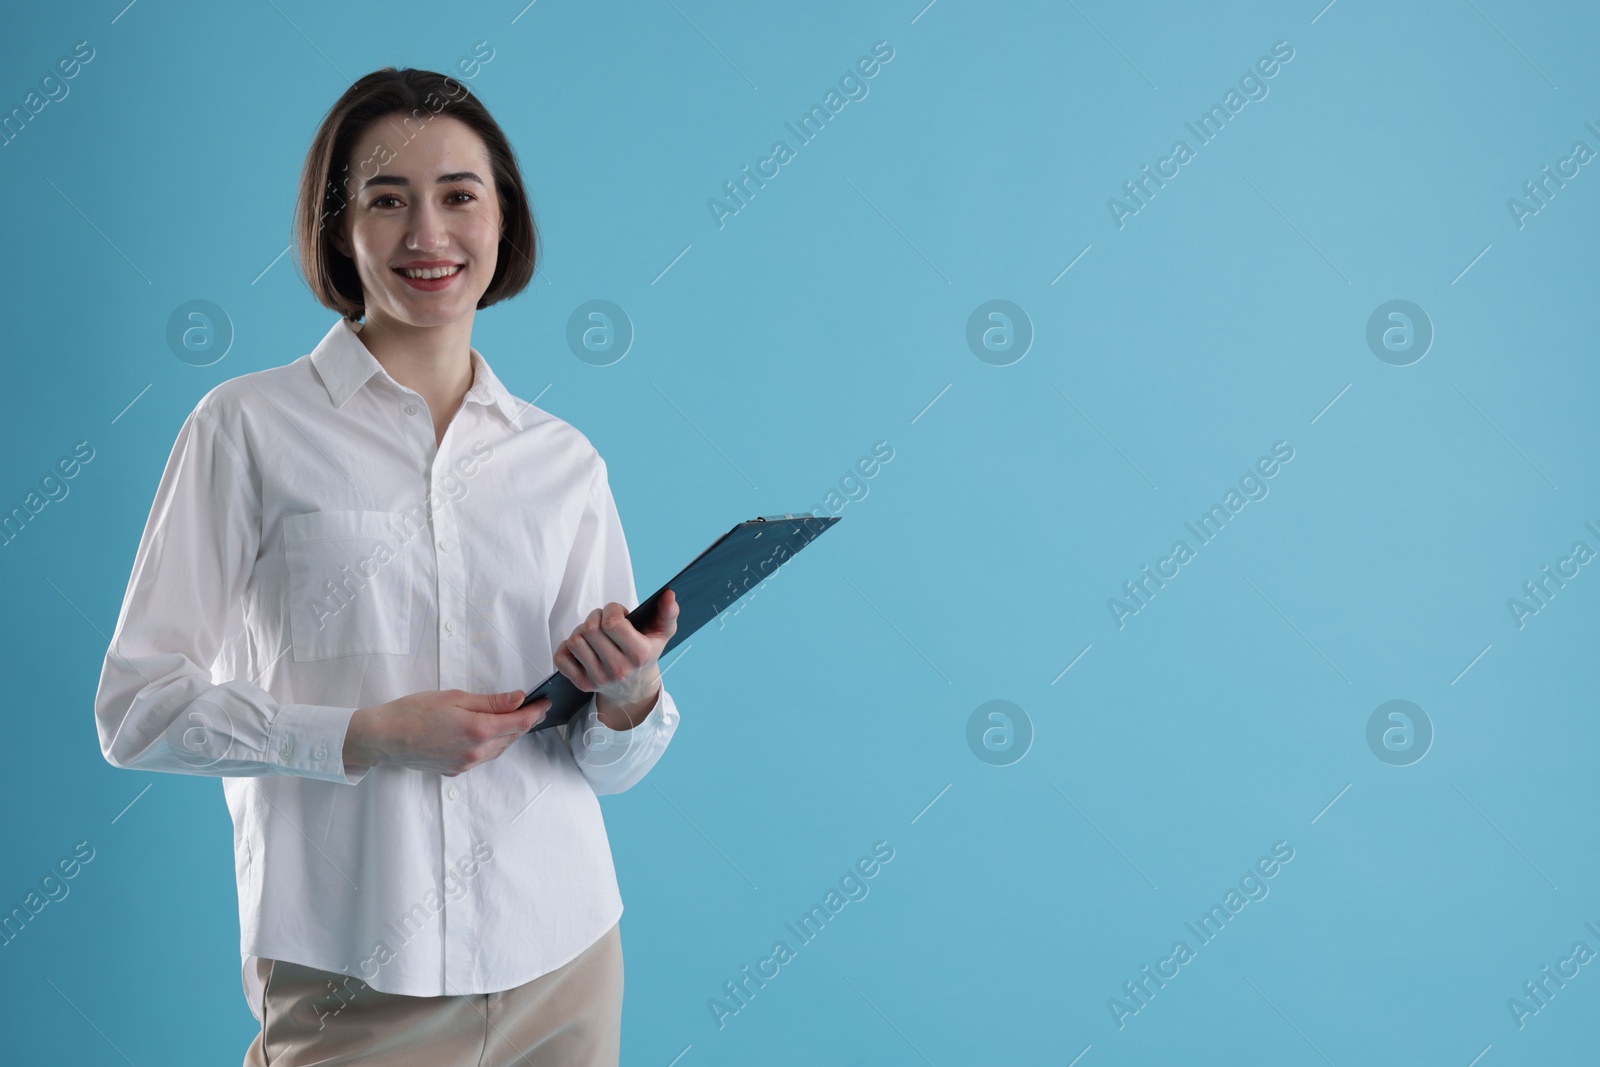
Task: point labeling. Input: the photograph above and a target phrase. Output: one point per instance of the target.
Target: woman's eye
(379, 201)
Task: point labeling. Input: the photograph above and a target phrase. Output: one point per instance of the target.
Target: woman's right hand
(445, 731)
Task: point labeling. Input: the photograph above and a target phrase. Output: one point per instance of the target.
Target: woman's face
(429, 201)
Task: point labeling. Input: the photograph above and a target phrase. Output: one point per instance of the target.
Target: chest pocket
(350, 584)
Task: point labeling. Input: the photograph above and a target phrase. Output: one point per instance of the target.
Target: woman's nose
(427, 229)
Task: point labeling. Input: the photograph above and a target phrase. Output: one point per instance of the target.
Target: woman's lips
(430, 285)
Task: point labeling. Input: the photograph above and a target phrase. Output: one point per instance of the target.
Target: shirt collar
(345, 365)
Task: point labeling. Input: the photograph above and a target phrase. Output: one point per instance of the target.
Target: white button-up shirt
(313, 550)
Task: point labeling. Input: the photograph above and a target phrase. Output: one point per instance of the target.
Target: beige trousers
(571, 1017)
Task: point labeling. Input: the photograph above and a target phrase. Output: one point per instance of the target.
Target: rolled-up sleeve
(158, 707)
(598, 572)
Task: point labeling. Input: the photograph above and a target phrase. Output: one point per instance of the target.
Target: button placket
(460, 920)
(452, 583)
(460, 917)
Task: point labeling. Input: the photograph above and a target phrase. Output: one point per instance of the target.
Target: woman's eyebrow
(402, 180)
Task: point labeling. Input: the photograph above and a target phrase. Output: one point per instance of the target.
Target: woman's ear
(336, 235)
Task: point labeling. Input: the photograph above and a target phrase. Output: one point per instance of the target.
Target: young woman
(349, 562)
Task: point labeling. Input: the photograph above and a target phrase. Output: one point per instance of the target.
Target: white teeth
(432, 272)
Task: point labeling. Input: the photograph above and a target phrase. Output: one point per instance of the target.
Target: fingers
(509, 721)
(452, 731)
(489, 701)
(582, 649)
(610, 634)
(514, 705)
(574, 671)
(607, 644)
(577, 659)
(666, 620)
(504, 730)
(515, 722)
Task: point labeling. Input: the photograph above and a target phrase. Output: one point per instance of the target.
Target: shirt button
(411, 409)
(454, 792)
(444, 546)
(286, 748)
(322, 751)
(449, 626)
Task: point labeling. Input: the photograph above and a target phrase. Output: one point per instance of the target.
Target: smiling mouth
(429, 273)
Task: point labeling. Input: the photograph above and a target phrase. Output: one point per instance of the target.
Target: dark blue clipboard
(733, 565)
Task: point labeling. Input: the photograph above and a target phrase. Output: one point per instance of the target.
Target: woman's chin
(425, 313)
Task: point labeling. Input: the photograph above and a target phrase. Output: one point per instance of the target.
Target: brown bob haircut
(406, 99)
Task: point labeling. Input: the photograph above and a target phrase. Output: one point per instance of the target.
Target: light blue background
(830, 313)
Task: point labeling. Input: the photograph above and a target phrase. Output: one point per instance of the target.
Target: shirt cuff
(651, 721)
(308, 740)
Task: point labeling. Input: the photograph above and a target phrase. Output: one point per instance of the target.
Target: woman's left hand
(606, 655)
